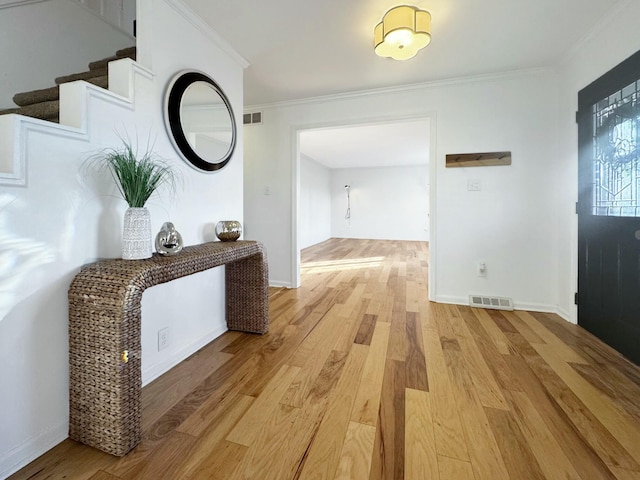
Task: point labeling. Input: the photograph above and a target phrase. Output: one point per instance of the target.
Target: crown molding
(403, 88)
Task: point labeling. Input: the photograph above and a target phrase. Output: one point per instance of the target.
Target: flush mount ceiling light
(402, 32)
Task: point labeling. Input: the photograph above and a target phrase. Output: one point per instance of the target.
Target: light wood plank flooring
(361, 378)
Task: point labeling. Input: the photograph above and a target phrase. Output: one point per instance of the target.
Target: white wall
(44, 40)
(67, 216)
(611, 42)
(119, 13)
(314, 203)
(387, 203)
(510, 224)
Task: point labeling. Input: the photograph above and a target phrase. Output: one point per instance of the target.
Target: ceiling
(303, 48)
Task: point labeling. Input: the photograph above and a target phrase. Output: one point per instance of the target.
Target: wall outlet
(474, 185)
(163, 338)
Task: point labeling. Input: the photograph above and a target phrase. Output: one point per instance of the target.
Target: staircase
(44, 104)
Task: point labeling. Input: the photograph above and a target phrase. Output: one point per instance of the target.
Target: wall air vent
(254, 118)
(497, 303)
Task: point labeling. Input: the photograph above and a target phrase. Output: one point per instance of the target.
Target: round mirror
(200, 121)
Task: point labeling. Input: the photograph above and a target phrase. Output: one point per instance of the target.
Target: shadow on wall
(37, 371)
(18, 258)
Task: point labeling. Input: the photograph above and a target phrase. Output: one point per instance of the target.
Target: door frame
(373, 120)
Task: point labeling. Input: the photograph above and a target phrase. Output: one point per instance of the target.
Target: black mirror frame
(173, 99)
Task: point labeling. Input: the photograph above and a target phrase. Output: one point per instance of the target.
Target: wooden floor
(361, 378)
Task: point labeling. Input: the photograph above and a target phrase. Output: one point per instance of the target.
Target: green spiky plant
(137, 177)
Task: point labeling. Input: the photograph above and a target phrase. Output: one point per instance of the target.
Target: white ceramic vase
(136, 234)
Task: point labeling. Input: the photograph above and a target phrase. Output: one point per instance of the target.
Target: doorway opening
(371, 179)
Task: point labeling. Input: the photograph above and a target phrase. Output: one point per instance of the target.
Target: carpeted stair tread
(44, 110)
(7, 111)
(82, 75)
(98, 64)
(37, 96)
(52, 93)
(45, 103)
(125, 53)
(102, 81)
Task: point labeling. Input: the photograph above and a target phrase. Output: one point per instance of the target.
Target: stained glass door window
(616, 159)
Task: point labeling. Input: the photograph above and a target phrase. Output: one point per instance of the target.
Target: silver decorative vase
(136, 234)
(228, 230)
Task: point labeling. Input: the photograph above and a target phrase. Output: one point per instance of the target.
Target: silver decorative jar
(228, 230)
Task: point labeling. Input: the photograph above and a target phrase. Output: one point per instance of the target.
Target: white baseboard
(532, 307)
(566, 315)
(277, 283)
(454, 300)
(535, 307)
(154, 371)
(22, 455)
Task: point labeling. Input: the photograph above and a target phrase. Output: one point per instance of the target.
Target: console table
(104, 331)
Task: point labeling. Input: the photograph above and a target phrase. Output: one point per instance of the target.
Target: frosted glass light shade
(403, 31)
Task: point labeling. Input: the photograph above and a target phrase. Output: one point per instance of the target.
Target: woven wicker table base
(104, 331)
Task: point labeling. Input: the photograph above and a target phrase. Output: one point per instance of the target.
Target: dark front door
(609, 208)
